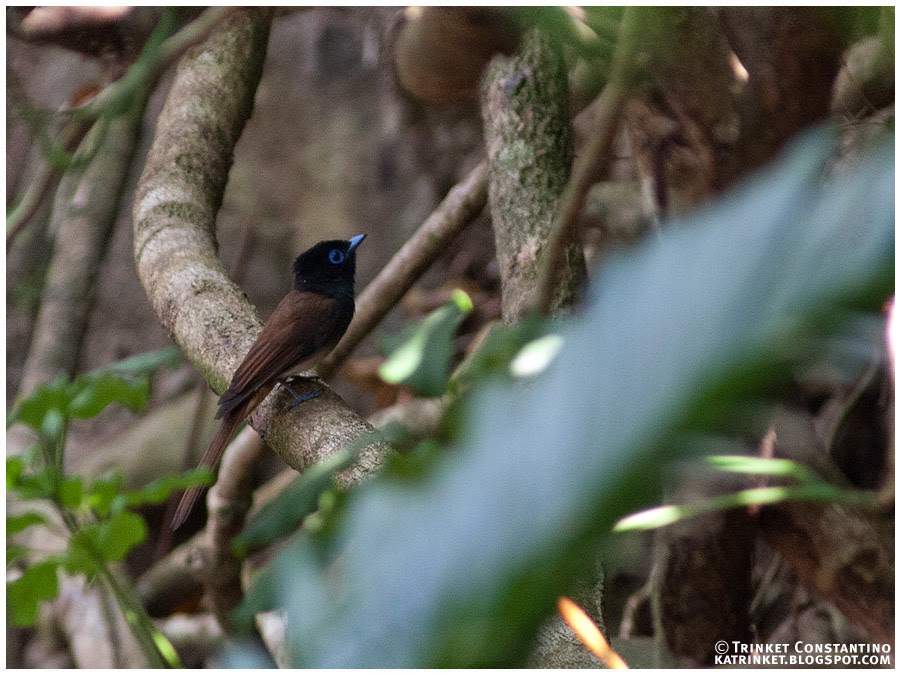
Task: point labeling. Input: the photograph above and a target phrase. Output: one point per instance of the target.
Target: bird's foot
(297, 399)
(301, 378)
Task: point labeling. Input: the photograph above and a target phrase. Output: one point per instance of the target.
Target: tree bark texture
(705, 586)
(175, 249)
(529, 141)
(696, 127)
(792, 56)
(682, 120)
(844, 555)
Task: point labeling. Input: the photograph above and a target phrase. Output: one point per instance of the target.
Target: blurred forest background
(673, 233)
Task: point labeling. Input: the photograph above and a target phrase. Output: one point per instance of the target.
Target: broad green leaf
(15, 552)
(39, 485)
(14, 468)
(124, 382)
(281, 517)
(501, 345)
(118, 534)
(536, 356)
(22, 521)
(422, 362)
(37, 584)
(460, 568)
(101, 493)
(81, 556)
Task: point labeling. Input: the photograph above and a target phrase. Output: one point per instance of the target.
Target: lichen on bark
(529, 139)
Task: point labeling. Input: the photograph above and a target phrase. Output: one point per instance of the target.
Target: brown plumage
(305, 326)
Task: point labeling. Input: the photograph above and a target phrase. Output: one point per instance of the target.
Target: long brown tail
(210, 459)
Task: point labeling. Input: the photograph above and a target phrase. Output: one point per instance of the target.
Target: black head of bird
(328, 267)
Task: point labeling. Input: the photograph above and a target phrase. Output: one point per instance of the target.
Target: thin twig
(595, 158)
(229, 501)
(461, 205)
(42, 185)
(143, 74)
(146, 72)
(632, 605)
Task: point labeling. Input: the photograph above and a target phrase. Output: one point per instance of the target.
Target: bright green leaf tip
(535, 356)
(462, 300)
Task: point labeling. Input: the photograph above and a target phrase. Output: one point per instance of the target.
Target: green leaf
(124, 382)
(33, 408)
(96, 391)
(38, 583)
(461, 568)
(109, 540)
(423, 360)
(499, 348)
(22, 521)
(15, 552)
(102, 492)
(661, 516)
(70, 492)
(162, 488)
(283, 515)
(53, 425)
(759, 466)
(148, 362)
(80, 557)
(536, 356)
(120, 533)
(39, 485)
(14, 468)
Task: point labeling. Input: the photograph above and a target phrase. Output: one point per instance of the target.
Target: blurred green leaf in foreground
(460, 567)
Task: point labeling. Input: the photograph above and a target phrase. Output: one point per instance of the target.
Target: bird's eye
(336, 256)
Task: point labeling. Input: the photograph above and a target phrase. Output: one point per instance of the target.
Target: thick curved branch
(175, 206)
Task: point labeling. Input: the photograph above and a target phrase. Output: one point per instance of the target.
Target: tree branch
(83, 224)
(529, 141)
(591, 164)
(140, 79)
(228, 501)
(461, 205)
(175, 206)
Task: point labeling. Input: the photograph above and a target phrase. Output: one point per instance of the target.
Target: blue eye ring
(336, 256)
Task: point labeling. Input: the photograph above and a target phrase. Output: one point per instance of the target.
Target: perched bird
(305, 326)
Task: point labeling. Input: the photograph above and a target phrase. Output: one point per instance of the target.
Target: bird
(304, 327)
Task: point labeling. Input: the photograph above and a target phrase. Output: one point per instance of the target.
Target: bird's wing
(303, 327)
